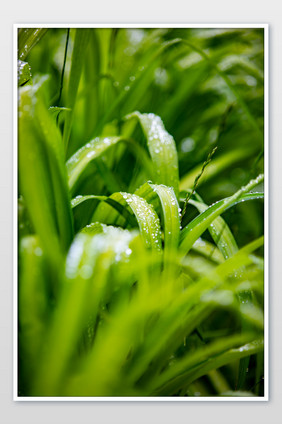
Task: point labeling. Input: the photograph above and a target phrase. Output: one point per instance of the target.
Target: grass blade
(170, 209)
(220, 232)
(109, 216)
(195, 229)
(203, 365)
(148, 221)
(42, 173)
(115, 201)
(78, 55)
(34, 309)
(162, 149)
(92, 150)
(79, 301)
(27, 39)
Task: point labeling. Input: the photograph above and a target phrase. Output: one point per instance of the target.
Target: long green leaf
(42, 176)
(82, 293)
(54, 145)
(162, 149)
(90, 151)
(170, 210)
(27, 39)
(197, 365)
(151, 196)
(196, 228)
(115, 201)
(110, 216)
(145, 214)
(147, 218)
(79, 51)
(220, 232)
(33, 307)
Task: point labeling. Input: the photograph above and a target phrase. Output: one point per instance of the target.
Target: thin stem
(190, 193)
(64, 66)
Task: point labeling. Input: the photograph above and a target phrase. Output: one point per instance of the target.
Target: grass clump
(140, 212)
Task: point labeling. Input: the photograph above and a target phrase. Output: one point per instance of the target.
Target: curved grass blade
(220, 232)
(27, 39)
(77, 61)
(232, 355)
(56, 110)
(148, 220)
(162, 149)
(95, 149)
(92, 150)
(80, 199)
(196, 365)
(108, 215)
(196, 228)
(149, 195)
(115, 201)
(171, 218)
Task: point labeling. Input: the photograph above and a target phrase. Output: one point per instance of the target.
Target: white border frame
(266, 216)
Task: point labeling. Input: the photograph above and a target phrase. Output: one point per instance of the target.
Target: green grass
(140, 224)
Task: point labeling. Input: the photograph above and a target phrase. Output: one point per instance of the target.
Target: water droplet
(38, 251)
